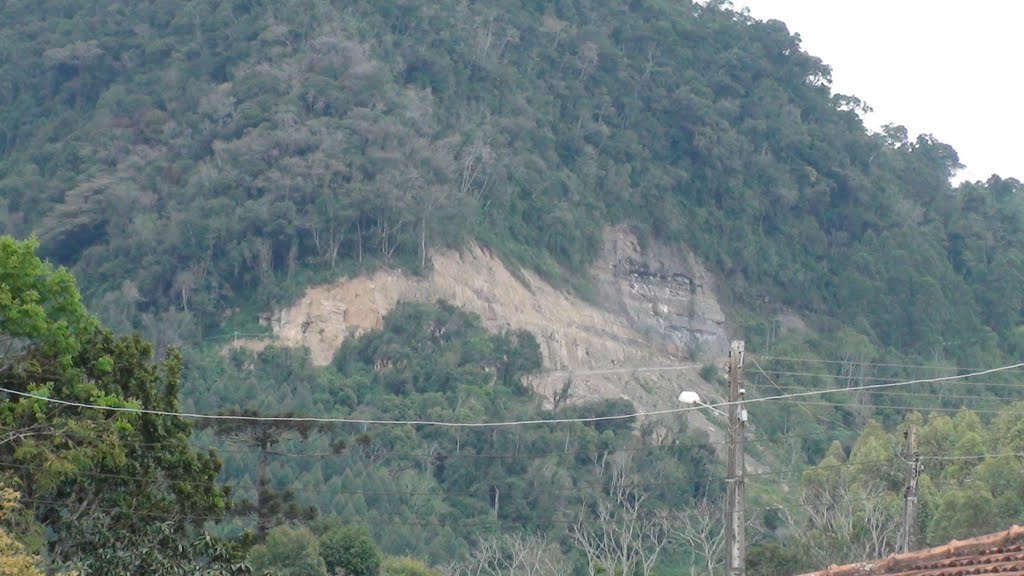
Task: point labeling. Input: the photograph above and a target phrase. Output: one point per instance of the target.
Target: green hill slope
(186, 157)
(189, 159)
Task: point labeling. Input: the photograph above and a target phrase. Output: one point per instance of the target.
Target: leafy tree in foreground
(288, 552)
(350, 551)
(85, 471)
(15, 557)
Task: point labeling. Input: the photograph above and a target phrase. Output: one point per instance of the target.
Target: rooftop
(1001, 553)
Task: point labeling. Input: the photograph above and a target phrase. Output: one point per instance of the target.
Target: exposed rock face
(655, 309)
(328, 315)
(666, 295)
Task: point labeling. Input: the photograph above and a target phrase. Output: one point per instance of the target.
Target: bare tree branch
(622, 537)
(701, 529)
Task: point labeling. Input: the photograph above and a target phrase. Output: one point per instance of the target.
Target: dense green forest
(115, 491)
(184, 157)
(191, 162)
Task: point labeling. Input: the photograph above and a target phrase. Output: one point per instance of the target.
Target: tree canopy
(92, 477)
(184, 159)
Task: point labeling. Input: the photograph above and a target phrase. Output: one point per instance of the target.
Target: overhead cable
(498, 424)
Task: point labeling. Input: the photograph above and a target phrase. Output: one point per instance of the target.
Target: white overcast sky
(951, 69)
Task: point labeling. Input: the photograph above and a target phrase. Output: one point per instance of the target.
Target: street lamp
(692, 398)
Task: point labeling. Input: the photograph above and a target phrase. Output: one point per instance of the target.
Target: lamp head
(689, 397)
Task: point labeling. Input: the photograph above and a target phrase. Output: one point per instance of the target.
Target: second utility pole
(735, 543)
(913, 457)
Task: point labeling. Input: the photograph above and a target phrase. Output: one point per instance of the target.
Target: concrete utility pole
(913, 457)
(735, 542)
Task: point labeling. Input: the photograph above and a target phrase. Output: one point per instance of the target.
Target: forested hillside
(184, 157)
(194, 162)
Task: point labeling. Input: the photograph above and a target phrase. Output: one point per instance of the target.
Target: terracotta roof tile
(1000, 554)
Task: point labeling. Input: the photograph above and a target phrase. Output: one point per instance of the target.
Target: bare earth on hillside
(654, 309)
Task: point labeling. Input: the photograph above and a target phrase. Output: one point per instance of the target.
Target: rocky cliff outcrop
(665, 294)
(655, 320)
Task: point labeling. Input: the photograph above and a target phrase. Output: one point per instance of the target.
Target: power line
(467, 453)
(972, 383)
(325, 490)
(864, 363)
(450, 452)
(866, 405)
(340, 420)
(931, 395)
(573, 489)
(779, 388)
(366, 421)
(623, 370)
(936, 379)
(482, 492)
(878, 378)
(973, 456)
(478, 522)
(837, 376)
(445, 523)
(172, 516)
